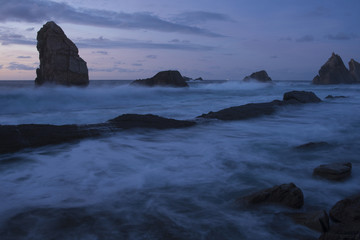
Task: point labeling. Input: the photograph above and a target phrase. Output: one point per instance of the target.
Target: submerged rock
(313, 145)
(334, 171)
(333, 97)
(164, 79)
(260, 76)
(253, 110)
(288, 195)
(17, 137)
(333, 72)
(346, 215)
(354, 68)
(60, 62)
(317, 220)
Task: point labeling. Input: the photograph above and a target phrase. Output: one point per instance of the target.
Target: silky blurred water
(172, 184)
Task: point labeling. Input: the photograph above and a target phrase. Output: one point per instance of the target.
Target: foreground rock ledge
(253, 110)
(17, 137)
(60, 62)
(163, 79)
(288, 195)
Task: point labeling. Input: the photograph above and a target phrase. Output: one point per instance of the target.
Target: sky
(228, 39)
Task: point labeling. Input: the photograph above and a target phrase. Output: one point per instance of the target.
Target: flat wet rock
(17, 137)
(316, 220)
(253, 110)
(333, 171)
(288, 195)
(313, 146)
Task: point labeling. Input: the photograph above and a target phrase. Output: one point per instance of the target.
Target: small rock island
(168, 78)
(260, 76)
(60, 62)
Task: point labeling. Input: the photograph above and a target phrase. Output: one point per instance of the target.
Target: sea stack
(260, 76)
(354, 67)
(164, 79)
(60, 62)
(334, 72)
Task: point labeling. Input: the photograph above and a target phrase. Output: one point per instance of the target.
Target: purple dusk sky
(228, 39)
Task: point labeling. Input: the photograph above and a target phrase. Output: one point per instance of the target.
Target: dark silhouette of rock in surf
(333, 171)
(17, 137)
(164, 79)
(346, 217)
(253, 110)
(335, 72)
(260, 76)
(288, 195)
(60, 62)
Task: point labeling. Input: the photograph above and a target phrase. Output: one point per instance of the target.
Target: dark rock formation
(187, 78)
(253, 110)
(260, 76)
(346, 215)
(333, 72)
(59, 59)
(313, 145)
(17, 137)
(355, 70)
(164, 79)
(317, 220)
(301, 97)
(333, 97)
(288, 195)
(199, 79)
(334, 171)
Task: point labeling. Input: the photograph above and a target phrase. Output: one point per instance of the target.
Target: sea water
(178, 183)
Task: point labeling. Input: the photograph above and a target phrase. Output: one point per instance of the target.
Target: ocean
(177, 183)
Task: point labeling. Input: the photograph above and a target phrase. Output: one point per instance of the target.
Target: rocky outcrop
(260, 76)
(301, 97)
(334, 171)
(163, 79)
(288, 195)
(346, 215)
(199, 79)
(355, 70)
(333, 97)
(17, 137)
(253, 110)
(60, 62)
(334, 72)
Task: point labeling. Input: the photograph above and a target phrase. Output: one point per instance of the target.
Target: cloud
(18, 66)
(113, 69)
(195, 17)
(7, 37)
(137, 64)
(23, 57)
(151, 56)
(288, 39)
(102, 42)
(1, 66)
(306, 38)
(341, 36)
(274, 57)
(30, 29)
(39, 11)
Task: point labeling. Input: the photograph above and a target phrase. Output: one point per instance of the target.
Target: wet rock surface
(163, 79)
(60, 62)
(288, 195)
(253, 110)
(17, 137)
(313, 146)
(354, 68)
(333, 171)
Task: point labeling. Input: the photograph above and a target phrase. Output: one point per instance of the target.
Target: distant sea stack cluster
(60, 62)
(335, 72)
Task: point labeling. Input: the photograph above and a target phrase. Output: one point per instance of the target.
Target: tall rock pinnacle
(60, 62)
